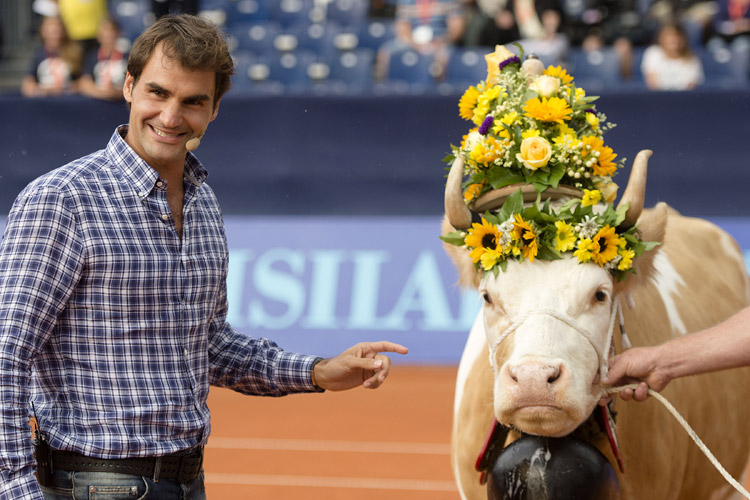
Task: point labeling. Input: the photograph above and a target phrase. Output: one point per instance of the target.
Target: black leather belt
(182, 467)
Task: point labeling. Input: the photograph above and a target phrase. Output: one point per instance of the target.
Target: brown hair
(193, 42)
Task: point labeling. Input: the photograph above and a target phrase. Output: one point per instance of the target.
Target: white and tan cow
(543, 378)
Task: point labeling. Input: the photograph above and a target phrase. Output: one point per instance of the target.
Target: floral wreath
(533, 126)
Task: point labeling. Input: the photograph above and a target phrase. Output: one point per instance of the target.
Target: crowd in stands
(407, 46)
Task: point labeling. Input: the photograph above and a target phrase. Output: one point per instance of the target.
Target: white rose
(546, 86)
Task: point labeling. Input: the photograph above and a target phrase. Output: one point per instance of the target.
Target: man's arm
(39, 266)
(723, 346)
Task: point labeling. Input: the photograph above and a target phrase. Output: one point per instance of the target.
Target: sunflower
(552, 109)
(482, 237)
(605, 245)
(467, 103)
(559, 72)
(604, 165)
(566, 237)
(485, 152)
(524, 234)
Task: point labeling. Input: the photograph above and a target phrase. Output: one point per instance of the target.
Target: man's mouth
(161, 133)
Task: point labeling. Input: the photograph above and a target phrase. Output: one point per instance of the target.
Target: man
(113, 299)
(720, 347)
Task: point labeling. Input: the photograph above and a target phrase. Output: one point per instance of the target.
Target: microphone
(192, 144)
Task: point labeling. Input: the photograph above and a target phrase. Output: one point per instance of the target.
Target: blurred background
(327, 159)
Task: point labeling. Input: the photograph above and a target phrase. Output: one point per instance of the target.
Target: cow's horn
(635, 193)
(456, 210)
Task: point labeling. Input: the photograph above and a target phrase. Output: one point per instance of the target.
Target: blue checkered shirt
(111, 324)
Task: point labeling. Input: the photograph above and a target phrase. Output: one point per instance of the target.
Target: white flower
(587, 228)
(545, 85)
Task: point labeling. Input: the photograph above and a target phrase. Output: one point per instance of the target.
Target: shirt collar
(139, 173)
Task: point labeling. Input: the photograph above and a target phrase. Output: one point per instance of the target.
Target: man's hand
(639, 365)
(361, 364)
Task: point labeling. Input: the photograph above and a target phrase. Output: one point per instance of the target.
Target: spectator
(82, 18)
(164, 7)
(104, 69)
(670, 64)
(427, 26)
(500, 22)
(56, 65)
(732, 21)
(550, 45)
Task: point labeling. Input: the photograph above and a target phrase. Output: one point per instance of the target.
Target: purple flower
(484, 128)
(591, 110)
(508, 61)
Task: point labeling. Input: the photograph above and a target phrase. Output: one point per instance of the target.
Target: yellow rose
(493, 62)
(546, 86)
(535, 152)
(608, 190)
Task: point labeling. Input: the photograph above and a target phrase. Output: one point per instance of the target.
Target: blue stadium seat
(315, 37)
(719, 70)
(412, 68)
(596, 70)
(291, 68)
(347, 13)
(354, 68)
(243, 11)
(257, 38)
(374, 33)
(134, 16)
(466, 66)
(290, 13)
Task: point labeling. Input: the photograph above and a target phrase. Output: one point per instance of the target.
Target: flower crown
(533, 126)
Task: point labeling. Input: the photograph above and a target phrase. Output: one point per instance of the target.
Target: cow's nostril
(554, 375)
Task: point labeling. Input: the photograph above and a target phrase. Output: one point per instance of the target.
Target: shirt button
(185, 352)
(159, 184)
(165, 217)
(142, 193)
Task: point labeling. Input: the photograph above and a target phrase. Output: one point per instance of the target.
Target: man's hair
(193, 42)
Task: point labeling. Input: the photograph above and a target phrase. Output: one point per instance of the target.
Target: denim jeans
(110, 486)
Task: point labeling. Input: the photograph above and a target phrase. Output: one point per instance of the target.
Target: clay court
(389, 443)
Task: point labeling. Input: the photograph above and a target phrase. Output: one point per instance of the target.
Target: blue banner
(319, 284)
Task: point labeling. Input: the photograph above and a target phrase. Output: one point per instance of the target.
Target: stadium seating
(595, 70)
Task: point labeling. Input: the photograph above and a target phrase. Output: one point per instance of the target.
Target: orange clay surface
(392, 442)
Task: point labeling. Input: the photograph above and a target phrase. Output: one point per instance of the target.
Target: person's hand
(638, 365)
(361, 364)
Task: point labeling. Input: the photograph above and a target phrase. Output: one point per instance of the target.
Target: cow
(554, 317)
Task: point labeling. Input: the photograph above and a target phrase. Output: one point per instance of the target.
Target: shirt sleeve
(253, 366)
(39, 265)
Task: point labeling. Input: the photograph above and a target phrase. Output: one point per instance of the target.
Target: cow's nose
(535, 374)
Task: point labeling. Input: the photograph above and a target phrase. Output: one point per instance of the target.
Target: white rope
(691, 433)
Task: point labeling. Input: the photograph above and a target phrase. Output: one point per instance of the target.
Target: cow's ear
(652, 225)
(468, 276)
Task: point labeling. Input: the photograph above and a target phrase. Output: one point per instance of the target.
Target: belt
(182, 467)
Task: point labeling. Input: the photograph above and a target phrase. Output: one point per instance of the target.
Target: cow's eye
(487, 298)
(600, 296)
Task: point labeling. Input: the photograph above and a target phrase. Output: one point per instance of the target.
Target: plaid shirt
(112, 325)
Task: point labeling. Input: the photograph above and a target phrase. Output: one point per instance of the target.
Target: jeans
(110, 486)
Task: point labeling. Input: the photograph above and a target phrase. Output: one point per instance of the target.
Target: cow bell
(543, 468)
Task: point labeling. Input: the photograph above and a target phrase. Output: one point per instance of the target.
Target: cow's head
(549, 323)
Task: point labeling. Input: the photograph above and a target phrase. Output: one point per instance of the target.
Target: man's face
(168, 106)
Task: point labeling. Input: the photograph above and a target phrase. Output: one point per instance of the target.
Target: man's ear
(127, 88)
(216, 111)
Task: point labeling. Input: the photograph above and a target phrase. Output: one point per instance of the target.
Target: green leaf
(513, 204)
(501, 177)
(556, 174)
(455, 238)
(548, 253)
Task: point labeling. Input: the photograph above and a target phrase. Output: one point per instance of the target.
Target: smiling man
(113, 300)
